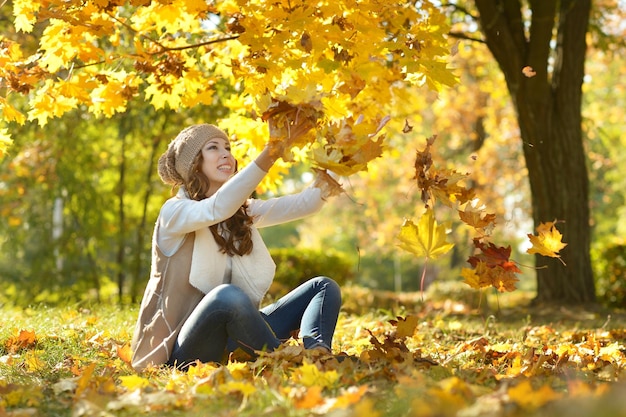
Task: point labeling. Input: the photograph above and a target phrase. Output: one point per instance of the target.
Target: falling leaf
(472, 279)
(407, 127)
(492, 256)
(327, 184)
(426, 238)
(547, 242)
(528, 71)
(476, 217)
(484, 275)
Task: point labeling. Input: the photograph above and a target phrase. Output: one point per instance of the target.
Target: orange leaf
(477, 218)
(352, 395)
(311, 398)
(484, 276)
(528, 71)
(25, 339)
(125, 353)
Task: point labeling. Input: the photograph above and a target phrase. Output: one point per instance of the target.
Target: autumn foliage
(340, 64)
(491, 265)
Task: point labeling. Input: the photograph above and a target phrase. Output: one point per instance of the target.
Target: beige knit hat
(175, 163)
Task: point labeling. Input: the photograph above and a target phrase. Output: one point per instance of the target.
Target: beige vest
(168, 301)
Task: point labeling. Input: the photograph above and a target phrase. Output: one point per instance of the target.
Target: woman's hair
(239, 240)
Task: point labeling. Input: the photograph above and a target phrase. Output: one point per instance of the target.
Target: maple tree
(541, 48)
(342, 65)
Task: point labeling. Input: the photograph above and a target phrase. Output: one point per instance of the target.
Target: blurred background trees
(80, 196)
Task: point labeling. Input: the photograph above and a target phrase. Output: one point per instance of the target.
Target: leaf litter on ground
(434, 358)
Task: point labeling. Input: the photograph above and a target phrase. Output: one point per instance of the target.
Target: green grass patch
(406, 357)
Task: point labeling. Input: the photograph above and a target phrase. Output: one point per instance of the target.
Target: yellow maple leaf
(5, 141)
(10, 113)
(309, 375)
(547, 242)
(133, 382)
(405, 327)
(471, 278)
(25, 14)
(243, 387)
(33, 361)
(524, 395)
(426, 238)
(49, 103)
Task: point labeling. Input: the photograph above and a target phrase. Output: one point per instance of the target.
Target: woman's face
(218, 164)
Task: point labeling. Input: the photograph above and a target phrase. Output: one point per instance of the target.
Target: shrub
(295, 266)
(611, 275)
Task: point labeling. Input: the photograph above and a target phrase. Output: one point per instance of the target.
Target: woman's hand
(288, 130)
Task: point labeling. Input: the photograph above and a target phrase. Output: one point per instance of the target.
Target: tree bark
(548, 107)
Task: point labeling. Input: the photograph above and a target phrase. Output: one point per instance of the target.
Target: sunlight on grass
(405, 357)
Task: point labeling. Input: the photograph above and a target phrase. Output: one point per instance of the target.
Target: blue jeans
(226, 319)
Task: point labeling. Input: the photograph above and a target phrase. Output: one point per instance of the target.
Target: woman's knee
(227, 296)
(328, 284)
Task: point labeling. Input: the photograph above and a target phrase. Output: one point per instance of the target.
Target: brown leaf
(305, 42)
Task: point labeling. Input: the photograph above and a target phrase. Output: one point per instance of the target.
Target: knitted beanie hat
(175, 164)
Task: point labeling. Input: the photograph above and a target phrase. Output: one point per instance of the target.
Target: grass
(455, 360)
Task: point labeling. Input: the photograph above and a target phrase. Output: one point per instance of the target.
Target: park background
(79, 196)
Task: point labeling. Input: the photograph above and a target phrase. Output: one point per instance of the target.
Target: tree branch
(457, 8)
(463, 35)
(176, 48)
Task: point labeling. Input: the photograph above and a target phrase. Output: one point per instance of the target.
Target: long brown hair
(239, 239)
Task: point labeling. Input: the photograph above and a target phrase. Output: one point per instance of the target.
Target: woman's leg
(225, 312)
(313, 307)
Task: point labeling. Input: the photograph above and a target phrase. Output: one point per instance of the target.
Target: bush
(295, 266)
(611, 275)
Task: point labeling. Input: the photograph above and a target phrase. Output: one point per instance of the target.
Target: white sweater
(254, 272)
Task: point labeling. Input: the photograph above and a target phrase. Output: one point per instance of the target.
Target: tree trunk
(548, 106)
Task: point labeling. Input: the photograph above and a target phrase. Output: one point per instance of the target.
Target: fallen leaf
(310, 375)
(524, 395)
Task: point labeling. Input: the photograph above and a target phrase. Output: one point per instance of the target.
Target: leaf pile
(431, 362)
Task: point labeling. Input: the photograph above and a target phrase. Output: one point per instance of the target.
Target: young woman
(210, 267)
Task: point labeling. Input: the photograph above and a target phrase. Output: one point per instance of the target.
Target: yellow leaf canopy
(347, 59)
